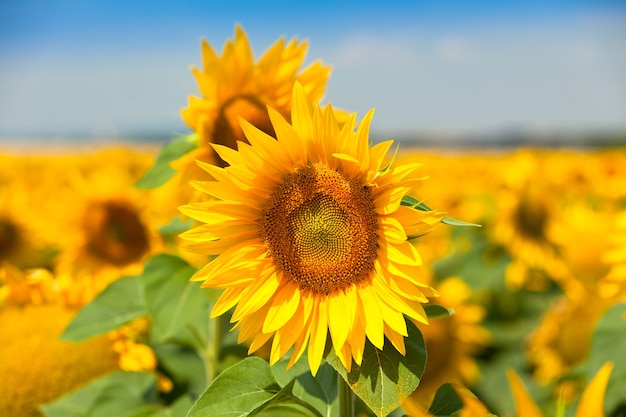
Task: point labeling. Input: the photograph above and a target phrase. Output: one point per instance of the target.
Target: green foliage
(481, 264)
(183, 366)
(174, 304)
(121, 302)
(171, 230)
(436, 311)
(247, 389)
(609, 344)
(414, 203)
(386, 377)
(446, 401)
(319, 391)
(161, 171)
(123, 394)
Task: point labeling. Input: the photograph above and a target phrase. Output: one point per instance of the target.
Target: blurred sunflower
(563, 337)
(521, 222)
(234, 85)
(580, 233)
(451, 342)
(37, 367)
(310, 235)
(591, 402)
(613, 284)
(24, 237)
(111, 231)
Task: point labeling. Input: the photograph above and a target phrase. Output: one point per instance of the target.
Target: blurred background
(437, 72)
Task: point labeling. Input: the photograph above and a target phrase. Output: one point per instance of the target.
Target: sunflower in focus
(233, 85)
(451, 343)
(310, 235)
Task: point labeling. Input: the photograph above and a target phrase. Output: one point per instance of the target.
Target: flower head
(234, 85)
(310, 236)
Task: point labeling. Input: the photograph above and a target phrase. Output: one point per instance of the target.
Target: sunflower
(36, 366)
(234, 85)
(563, 337)
(25, 238)
(521, 224)
(580, 232)
(310, 236)
(113, 227)
(451, 342)
(613, 284)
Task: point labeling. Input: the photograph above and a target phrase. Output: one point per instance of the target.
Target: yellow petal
(592, 400)
(283, 306)
(319, 329)
(524, 405)
(257, 295)
(374, 327)
(341, 311)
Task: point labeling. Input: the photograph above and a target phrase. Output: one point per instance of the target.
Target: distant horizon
(112, 68)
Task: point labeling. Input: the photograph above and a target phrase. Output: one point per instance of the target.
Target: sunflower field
(276, 261)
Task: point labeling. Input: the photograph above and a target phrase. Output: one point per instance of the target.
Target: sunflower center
(227, 130)
(321, 229)
(531, 218)
(9, 237)
(115, 233)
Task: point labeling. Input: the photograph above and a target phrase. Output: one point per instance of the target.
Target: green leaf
(241, 390)
(161, 171)
(178, 408)
(171, 230)
(609, 344)
(119, 303)
(319, 391)
(175, 304)
(122, 394)
(446, 401)
(480, 263)
(385, 377)
(436, 311)
(414, 203)
(183, 366)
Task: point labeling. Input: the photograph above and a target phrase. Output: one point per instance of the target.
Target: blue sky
(116, 68)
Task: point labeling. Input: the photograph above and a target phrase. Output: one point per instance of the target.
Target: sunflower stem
(212, 351)
(346, 398)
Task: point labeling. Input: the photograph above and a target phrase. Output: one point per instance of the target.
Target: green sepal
(161, 171)
(436, 311)
(386, 377)
(414, 203)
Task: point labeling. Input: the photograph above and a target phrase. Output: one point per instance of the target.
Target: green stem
(212, 352)
(346, 398)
